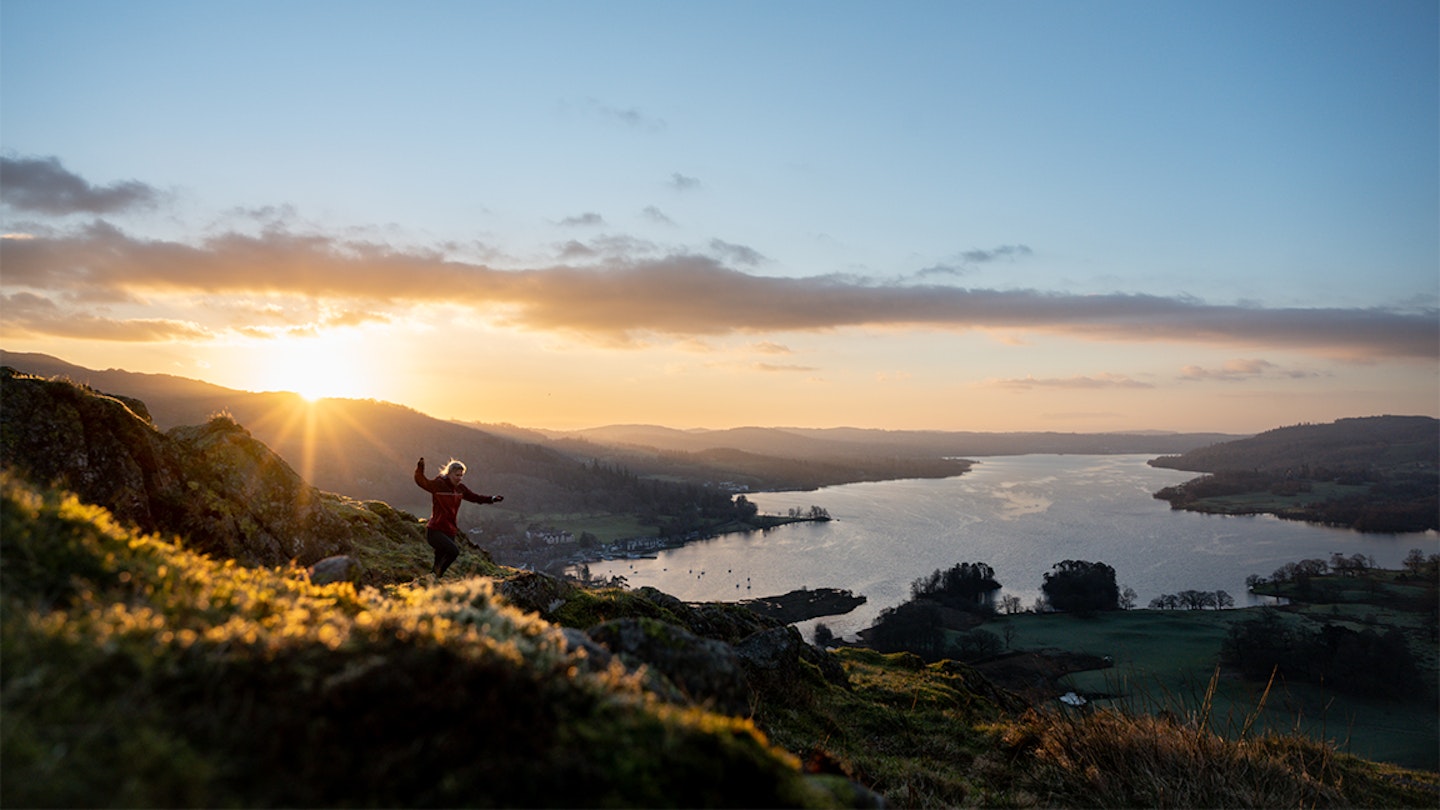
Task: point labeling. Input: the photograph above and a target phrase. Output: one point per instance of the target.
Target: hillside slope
(1378, 474)
(215, 485)
(1345, 445)
(137, 671)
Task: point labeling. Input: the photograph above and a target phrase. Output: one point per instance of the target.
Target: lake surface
(1018, 514)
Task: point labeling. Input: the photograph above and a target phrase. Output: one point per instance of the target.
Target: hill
(365, 448)
(846, 442)
(1376, 474)
(1346, 445)
(143, 668)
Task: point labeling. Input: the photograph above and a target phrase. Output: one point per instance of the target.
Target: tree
(824, 636)
(964, 586)
(1081, 587)
(1010, 605)
(977, 644)
(910, 626)
(1128, 598)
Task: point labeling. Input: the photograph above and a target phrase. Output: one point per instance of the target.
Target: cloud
(1239, 370)
(1078, 382)
(770, 347)
(739, 254)
(781, 367)
(620, 298)
(629, 116)
(1003, 252)
(576, 250)
(680, 182)
(588, 219)
(941, 270)
(29, 315)
(44, 186)
(656, 215)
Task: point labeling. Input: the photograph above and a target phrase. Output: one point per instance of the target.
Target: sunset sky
(1073, 216)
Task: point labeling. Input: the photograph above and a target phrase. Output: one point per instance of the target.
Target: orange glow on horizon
(315, 367)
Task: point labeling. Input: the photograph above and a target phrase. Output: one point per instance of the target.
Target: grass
(136, 673)
(1164, 660)
(1266, 501)
(605, 526)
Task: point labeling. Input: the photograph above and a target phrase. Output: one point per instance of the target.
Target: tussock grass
(1110, 758)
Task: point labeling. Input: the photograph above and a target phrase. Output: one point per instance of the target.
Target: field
(1271, 503)
(1165, 660)
(605, 526)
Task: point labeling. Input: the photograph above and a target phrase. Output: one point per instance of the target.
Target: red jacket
(445, 501)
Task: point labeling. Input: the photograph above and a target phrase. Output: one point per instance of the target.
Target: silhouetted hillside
(854, 442)
(367, 449)
(1346, 445)
(1374, 474)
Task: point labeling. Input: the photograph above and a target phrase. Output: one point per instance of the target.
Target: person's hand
(497, 498)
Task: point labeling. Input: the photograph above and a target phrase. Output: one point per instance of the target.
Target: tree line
(919, 625)
(1364, 662)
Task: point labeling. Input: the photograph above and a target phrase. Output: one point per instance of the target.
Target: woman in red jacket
(446, 494)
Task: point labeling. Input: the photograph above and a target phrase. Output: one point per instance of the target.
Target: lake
(1018, 514)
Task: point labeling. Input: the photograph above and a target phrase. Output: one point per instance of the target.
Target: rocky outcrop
(98, 446)
(704, 670)
(215, 485)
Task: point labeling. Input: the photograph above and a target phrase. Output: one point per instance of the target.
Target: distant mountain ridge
(366, 448)
(904, 443)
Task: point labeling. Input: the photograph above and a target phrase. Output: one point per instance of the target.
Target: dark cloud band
(679, 295)
(43, 186)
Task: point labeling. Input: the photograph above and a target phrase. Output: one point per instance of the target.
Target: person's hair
(453, 465)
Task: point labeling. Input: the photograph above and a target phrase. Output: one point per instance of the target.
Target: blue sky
(1079, 215)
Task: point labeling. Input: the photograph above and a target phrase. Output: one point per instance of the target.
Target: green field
(605, 526)
(1249, 502)
(1165, 660)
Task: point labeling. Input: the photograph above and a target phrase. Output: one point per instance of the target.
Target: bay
(1018, 514)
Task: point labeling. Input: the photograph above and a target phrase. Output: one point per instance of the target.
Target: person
(446, 494)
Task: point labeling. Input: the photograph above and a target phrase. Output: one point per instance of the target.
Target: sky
(960, 215)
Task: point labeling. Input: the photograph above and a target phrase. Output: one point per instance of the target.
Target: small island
(802, 604)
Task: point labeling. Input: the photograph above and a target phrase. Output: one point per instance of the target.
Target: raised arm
(420, 479)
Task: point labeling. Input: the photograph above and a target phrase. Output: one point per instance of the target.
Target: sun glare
(314, 368)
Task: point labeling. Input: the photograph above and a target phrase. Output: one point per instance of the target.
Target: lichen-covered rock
(718, 620)
(59, 433)
(778, 659)
(537, 593)
(705, 670)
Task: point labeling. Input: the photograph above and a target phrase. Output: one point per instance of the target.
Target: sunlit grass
(137, 673)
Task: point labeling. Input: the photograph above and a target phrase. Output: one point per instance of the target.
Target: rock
(772, 659)
(537, 593)
(579, 643)
(706, 671)
(340, 568)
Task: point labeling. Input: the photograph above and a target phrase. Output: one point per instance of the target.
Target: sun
(313, 367)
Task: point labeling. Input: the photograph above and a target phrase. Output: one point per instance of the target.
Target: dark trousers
(445, 550)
